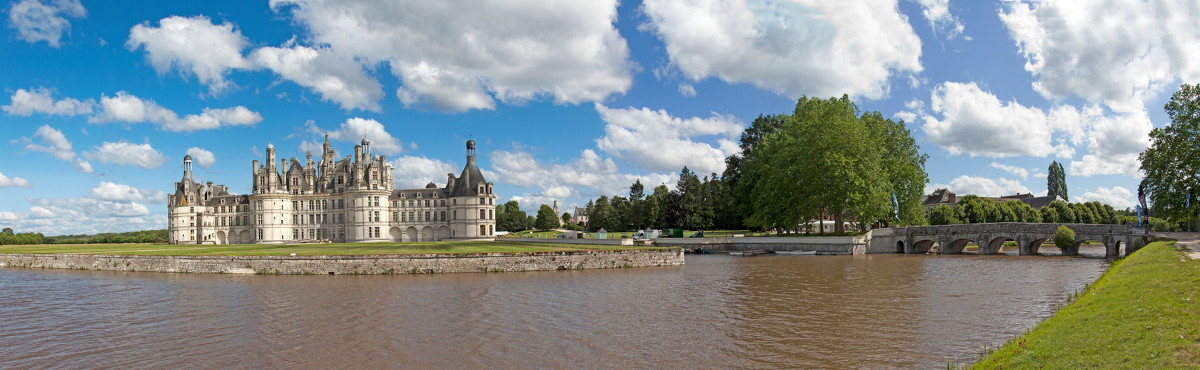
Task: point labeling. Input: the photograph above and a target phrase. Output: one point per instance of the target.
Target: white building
(346, 200)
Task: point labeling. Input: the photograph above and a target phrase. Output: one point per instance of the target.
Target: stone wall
(354, 265)
(821, 244)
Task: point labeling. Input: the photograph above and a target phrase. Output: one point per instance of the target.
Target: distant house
(947, 197)
(939, 197)
(580, 216)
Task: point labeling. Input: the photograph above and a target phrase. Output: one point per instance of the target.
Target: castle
(346, 200)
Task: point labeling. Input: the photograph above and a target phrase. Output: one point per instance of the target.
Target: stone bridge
(1119, 240)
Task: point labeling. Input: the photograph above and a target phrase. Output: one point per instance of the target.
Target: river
(867, 311)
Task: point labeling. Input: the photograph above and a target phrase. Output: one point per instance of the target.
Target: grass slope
(1144, 312)
(307, 249)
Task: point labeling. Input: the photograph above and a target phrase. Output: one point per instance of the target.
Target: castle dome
(431, 185)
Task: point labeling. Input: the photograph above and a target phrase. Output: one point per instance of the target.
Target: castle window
(481, 213)
(426, 216)
(295, 220)
(482, 230)
(443, 214)
(489, 214)
(427, 202)
(395, 216)
(455, 214)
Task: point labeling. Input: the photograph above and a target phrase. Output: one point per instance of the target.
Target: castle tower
(473, 204)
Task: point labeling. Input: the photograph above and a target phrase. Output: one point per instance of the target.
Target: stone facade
(355, 265)
(341, 200)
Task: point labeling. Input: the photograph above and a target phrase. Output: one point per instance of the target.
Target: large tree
(828, 160)
(694, 211)
(1172, 162)
(1056, 181)
(510, 217)
(546, 218)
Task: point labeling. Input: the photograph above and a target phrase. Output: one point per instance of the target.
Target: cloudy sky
(570, 99)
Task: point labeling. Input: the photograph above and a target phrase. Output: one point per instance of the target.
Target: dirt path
(1189, 241)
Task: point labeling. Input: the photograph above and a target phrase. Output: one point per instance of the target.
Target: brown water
(876, 311)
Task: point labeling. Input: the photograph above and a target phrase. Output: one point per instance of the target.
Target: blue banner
(1139, 214)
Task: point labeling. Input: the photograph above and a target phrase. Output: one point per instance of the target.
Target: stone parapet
(355, 265)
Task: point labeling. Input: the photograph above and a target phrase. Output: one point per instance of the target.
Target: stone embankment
(355, 265)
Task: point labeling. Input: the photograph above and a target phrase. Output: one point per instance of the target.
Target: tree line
(972, 209)
(8, 237)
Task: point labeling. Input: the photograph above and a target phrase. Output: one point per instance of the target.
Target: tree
(1064, 239)
(1058, 212)
(827, 160)
(7, 231)
(691, 202)
(546, 219)
(637, 212)
(510, 217)
(1172, 162)
(734, 164)
(943, 215)
(566, 218)
(598, 213)
(1056, 181)
(814, 164)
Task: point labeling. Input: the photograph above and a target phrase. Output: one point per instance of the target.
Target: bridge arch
(956, 245)
(995, 245)
(921, 246)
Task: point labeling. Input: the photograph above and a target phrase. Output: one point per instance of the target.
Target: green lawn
(1144, 312)
(307, 249)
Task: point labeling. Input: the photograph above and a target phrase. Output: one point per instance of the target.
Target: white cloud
(125, 193)
(336, 78)
(194, 45)
(84, 215)
(1118, 197)
(1014, 170)
(202, 157)
(686, 89)
(803, 47)
(656, 141)
(453, 60)
(128, 154)
(986, 187)
(125, 107)
(28, 102)
(52, 141)
(415, 172)
(937, 12)
(37, 21)
(975, 122)
(1120, 53)
(6, 182)
(40, 212)
(967, 120)
(1113, 145)
(212, 118)
(355, 129)
(586, 176)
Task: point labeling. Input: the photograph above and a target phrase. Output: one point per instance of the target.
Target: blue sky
(568, 100)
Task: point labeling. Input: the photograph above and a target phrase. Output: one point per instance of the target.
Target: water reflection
(717, 311)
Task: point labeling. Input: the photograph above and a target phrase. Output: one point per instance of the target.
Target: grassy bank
(1144, 312)
(306, 249)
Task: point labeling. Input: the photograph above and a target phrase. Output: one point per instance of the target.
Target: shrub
(1064, 237)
